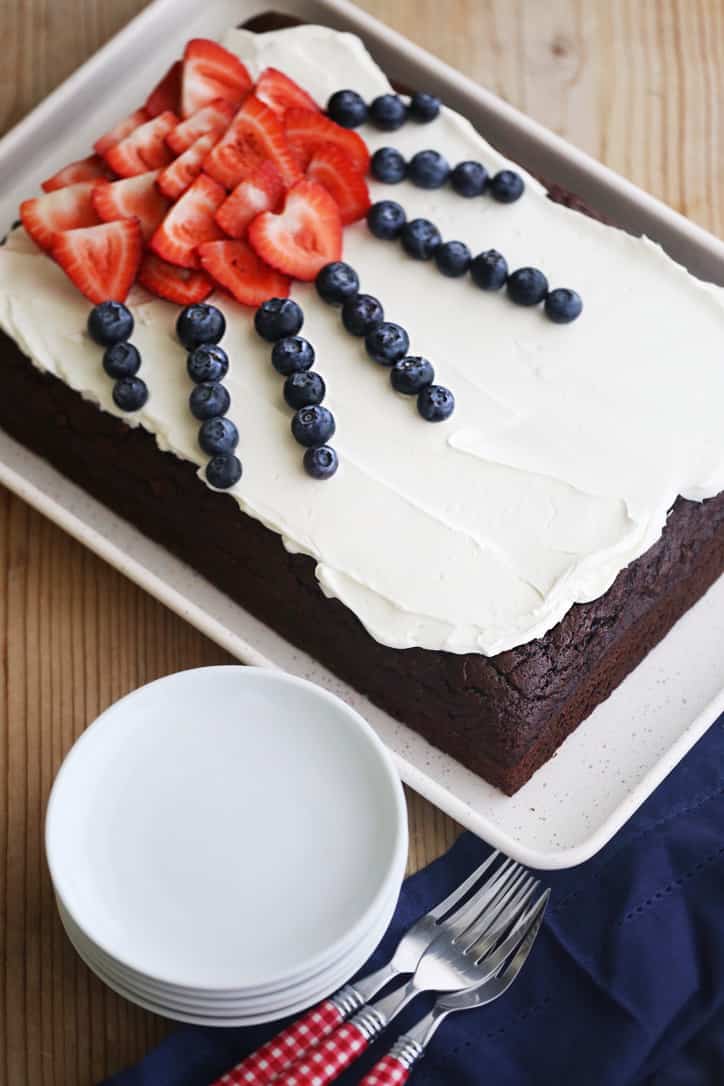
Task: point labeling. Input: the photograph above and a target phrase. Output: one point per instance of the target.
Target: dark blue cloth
(625, 986)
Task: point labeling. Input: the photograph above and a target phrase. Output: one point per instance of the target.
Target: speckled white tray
(605, 770)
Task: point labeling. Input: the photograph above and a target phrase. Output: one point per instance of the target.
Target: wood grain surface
(639, 84)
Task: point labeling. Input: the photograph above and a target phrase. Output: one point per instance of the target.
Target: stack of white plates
(226, 845)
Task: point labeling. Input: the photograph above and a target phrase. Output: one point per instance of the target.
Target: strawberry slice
(120, 131)
(304, 237)
(235, 266)
(132, 198)
(306, 131)
(166, 94)
(280, 93)
(85, 169)
(216, 118)
(260, 192)
(145, 148)
(209, 72)
(174, 179)
(255, 134)
(62, 209)
(102, 260)
(330, 167)
(180, 285)
(189, 223)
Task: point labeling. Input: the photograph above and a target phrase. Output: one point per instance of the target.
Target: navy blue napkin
(624, 987)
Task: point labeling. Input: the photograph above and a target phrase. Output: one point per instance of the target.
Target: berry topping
(190, 223)
(312, 426)
(423, 107)
(255, 135)
(329, 166)
(131, 197)
(120, 131)
(261, 191)
(411, 374)
(469, 179)
(336, 282)
(207, 363)
(361, 313)
(320, 463)
(281, 93)
(209, 72)
(278, 317)
(428, 169)
(388, 165)
(304, 390)
(527, 286)
(144, 148)
(307, 130)
(386, 219)
(563, 305)
(209, 401)
(197, 324)
(347, 108)
(103, 260)
(121, 360)
(304, 237)
(388, 112)
(218, 435)
(213, 120)
(174, 179)
(63, 209)
(420, 238)
(506, 187)
(167, 93)
(109, 323)
(235, 266)
(223, 471)
(130, 393)
(489, 270)
(181, 285)
(387, 343)
(293, 354)
(85, 169)
(435, 403)
(452, 258)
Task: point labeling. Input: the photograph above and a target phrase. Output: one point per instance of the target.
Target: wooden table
(638, 83)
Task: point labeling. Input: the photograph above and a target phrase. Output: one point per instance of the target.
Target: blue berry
(489, 270)
(386, 219)
(121, 360)
(563, 305)
(208, 401)
(452, 258)
(200, 323)
(209, 362)
(527, 286)
(278, 317)
(388, 112)
(110, 322)
(435, 403)
(424, 107)
(312, 426)
(428, 169)
(130, 393)
(218, 436)
(388, 165)
(292, 355)
(361, 314)
(336, 281)
(411, 374)
(506, 187)
(320, 462)
(223, 471)
(347, 108)
(420, 238)
(469, 179)
(387, 343)
(304, 389)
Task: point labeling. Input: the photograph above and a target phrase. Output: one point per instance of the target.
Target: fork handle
(323, 1063)
(396, 1067)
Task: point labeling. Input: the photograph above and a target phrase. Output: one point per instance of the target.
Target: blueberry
(424, 107)
(347, 108)
(121, 360)
(452, 258)
(336, 281)
(411, 374)
(469, 179)
(563, 306)
(312, 426)
(428, 169)
(278, 317)
(130, 393)
(109, 322)
(304, 389)
(386, 219)
(292, 355)
(388, 112)
(208, 401)
(527, 286)
(435, 403)
(387, 343)
(320, 462)
(420, 238)
(223, 471)
(209, 362)
(218, 436)
(506, 187)
(489, 270)
(388, 165)
(361, 314)
(200, 323)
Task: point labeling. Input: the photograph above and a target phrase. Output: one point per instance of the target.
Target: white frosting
(568, 444)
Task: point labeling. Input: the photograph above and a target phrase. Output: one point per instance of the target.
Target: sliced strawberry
(174, 179)
(280, 93)
(260, 192)
(62, 209)
(85, 169)
(330, 167)
(166, 94)
(235, 266)
(255, 134)
(209, 72)
(189, 223)
(132, 198)
(120, 131)
(145, 148)
(181, 285)
(102, 260)
(215, 118)
(304, 237)
(306, 131)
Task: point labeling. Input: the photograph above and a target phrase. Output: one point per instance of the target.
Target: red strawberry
(174, 179)
(235, 266)
(307, 130)
(85, 169)
(102, 260)
(330, 167)
(166, 94)
(62, 209)
(120, 131)
(145, 148)
(259, 192)
(209, 72)
(255, 134)
(179, 285)
(189, 223)
(216, 118)
(132, 198)
(280, 93)
(304, 237)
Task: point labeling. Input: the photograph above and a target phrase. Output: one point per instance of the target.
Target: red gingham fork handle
(326, 1061)
(389, 1071)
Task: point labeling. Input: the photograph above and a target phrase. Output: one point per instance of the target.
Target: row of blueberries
(430, 170)
(110, 324)
(387, 112)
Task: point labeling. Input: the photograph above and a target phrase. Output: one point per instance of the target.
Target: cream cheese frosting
(568, 445)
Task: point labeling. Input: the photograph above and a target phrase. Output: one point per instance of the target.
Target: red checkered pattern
(326, 1060)
(388, 1072)
(263, 1066)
